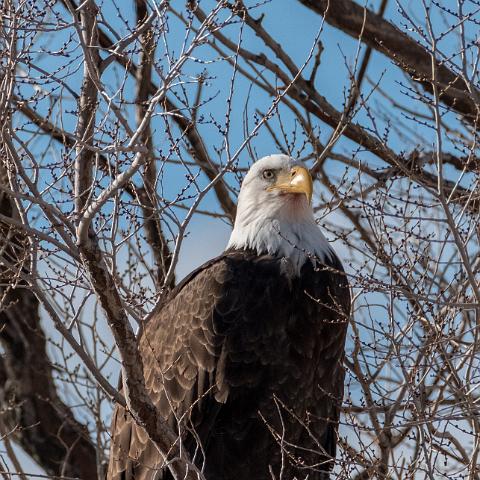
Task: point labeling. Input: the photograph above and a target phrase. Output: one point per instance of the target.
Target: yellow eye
(268, 174)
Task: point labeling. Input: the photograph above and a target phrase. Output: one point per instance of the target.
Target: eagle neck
(293, 241)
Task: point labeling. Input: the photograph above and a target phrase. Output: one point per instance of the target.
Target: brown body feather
(247, 364)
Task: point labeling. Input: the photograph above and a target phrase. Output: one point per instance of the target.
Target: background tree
(126, 128)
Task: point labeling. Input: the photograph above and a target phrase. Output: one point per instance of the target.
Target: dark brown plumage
(249, 362)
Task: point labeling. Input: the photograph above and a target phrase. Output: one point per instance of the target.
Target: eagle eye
(268, 174)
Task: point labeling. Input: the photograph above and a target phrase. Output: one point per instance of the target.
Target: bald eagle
(244, 359)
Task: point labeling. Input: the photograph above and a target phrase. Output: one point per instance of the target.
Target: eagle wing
(185, 355)
(180, 351)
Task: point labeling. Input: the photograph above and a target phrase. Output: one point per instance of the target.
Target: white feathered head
(274, 213)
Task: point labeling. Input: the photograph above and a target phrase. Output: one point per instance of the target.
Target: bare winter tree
(127, 125)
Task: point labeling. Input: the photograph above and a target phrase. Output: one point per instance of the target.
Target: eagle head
(274, 213)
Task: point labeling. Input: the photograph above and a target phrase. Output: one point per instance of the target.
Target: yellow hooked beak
(297, 180)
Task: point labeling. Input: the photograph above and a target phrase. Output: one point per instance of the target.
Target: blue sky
(295, 27)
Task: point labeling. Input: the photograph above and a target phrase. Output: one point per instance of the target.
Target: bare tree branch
(147, 194)
(409, 55)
